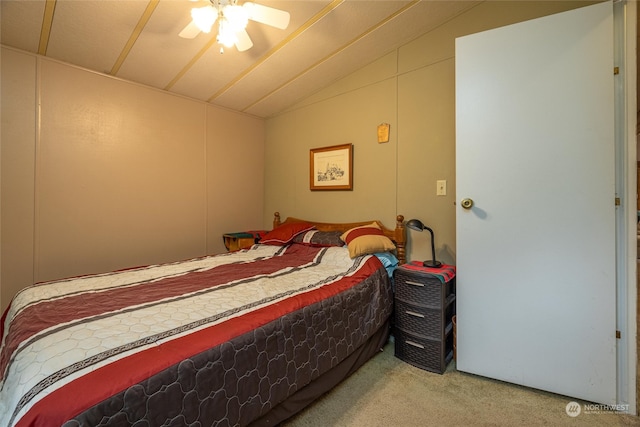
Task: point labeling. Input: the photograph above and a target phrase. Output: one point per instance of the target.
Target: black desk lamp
(416, 224)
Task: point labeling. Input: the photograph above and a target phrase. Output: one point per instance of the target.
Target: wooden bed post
(276, 219)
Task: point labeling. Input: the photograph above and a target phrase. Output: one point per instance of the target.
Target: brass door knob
(466, 203)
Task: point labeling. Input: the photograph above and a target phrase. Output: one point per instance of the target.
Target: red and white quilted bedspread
(219, 339)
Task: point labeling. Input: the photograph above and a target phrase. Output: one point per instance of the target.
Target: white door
(536, 252)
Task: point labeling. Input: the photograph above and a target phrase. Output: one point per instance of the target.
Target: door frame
(625, 28)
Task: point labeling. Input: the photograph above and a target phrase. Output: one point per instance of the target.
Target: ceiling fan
(232, 21)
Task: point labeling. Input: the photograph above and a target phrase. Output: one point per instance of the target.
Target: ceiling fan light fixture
(236, 17)
(226, 34)
(204, 17)
(232, 21)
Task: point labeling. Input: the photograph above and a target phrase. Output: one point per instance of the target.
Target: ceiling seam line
(190, 64)
(269, 54)
(47, 22)
(142, 22)
(373, 83)
(334, 53)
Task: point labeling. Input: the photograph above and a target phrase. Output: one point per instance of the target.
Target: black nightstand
(241, 240)
(425, 302)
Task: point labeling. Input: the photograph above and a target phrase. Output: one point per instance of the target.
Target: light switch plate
(441, 187)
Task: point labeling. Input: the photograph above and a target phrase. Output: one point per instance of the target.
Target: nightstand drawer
(425, 321)
(424, 353)
(421, 287)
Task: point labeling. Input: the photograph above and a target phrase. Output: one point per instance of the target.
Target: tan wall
(17, 166)
(109, 174)
(413, 89)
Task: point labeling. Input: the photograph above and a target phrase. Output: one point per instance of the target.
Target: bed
(243, 338)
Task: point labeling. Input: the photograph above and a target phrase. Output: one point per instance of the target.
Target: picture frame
(331, 168)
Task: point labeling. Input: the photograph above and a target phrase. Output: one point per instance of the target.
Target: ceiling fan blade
(244, 41)
(267, 15)
(190, 31)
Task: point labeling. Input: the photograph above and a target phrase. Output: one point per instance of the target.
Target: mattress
(218, 340)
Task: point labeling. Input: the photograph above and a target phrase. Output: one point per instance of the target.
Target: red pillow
(285, 233)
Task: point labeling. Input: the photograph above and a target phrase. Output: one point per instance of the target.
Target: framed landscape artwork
(331, 168)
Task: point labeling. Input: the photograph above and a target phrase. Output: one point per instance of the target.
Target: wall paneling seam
(36, 161)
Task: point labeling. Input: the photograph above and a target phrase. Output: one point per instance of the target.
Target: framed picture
(331, 168)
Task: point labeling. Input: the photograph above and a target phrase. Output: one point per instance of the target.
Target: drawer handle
(415, 284)
(415, 344)
(414, 314)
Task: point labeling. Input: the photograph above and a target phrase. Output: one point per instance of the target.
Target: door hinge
(618, 334)
(616, 70)
(617, 201)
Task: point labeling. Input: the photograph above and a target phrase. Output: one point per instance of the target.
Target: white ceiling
(138, 40)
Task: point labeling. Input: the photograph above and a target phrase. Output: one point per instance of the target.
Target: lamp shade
(416, 224)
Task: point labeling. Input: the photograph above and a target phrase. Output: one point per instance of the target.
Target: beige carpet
(387, 391)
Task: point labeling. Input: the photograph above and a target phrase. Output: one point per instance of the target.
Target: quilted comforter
(217, 340)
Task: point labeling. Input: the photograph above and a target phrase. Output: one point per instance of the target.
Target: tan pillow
(367, 239)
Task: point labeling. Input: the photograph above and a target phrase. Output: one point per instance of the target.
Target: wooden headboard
(398, 235)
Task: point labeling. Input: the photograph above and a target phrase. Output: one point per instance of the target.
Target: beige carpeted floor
(387, 391)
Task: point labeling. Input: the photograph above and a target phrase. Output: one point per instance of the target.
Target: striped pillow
(319, 238)
(367, 239)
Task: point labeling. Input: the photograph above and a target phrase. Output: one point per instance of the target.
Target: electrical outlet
(441, 187)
